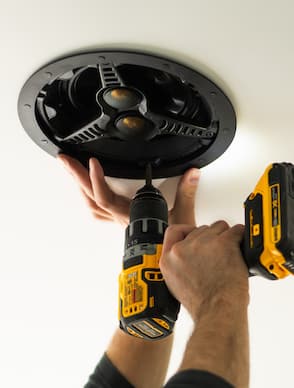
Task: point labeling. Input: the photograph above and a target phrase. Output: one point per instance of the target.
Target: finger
(219, 227)
(235, 233)
(79, 172)
(100, 218)
(103, 195)
(196, 232)
(184, 207)
(174, 234)
(95, 208)
(207, 232)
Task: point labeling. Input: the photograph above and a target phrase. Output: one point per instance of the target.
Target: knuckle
(171, 228)
(162, 262)
(223, 223)
(96, 216)
(190, 194)
(177, 249)
(92, 206)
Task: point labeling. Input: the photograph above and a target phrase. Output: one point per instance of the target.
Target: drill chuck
(148, 217)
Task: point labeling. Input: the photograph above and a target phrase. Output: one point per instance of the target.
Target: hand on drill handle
(108, 206)
(204, 265)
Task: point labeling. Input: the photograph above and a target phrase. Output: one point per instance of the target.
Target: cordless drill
(146, 308)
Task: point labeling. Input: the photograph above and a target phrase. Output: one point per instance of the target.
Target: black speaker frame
(221, 109)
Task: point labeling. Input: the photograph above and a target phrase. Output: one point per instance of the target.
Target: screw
(213, 94)
(27, 106)
(101, 57)
(48, 74)
(45, 141)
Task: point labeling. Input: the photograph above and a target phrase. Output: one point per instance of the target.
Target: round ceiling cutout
(127, 109)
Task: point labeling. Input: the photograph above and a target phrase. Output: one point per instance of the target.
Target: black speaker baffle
(127, 109)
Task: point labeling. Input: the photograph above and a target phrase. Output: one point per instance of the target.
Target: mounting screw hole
(28, 106)
(271, 267)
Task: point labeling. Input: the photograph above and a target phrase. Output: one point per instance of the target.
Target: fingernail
(194, 177)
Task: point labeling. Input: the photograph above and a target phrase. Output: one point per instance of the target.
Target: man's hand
(200, 264)
(106, 205)
(204, 269)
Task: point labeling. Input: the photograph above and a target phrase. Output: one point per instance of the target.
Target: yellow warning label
(276, 213)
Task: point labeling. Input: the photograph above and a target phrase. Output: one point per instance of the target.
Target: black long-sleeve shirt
(106, 375)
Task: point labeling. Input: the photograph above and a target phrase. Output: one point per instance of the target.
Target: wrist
(223, 304)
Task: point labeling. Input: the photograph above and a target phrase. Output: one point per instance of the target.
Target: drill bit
(148, 174)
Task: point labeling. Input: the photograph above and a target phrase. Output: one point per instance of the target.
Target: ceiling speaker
(127, 109)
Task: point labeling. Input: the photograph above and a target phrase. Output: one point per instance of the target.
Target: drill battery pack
(268, 245)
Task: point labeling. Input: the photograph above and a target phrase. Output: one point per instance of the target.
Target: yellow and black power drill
(146, 308)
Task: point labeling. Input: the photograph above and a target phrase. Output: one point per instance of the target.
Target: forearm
(220, 342)
(143, 363)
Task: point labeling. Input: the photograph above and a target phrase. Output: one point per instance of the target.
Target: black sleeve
(106, 375)
(196, 379)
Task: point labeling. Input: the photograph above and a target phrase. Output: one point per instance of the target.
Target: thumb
(183, 210)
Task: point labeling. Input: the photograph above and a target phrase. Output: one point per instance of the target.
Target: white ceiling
(59, 266)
